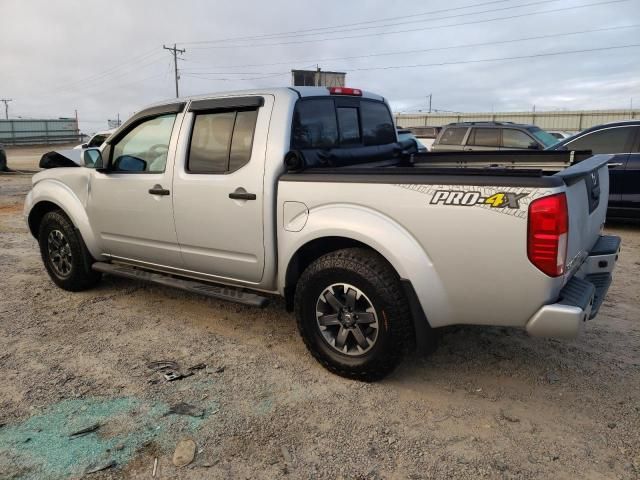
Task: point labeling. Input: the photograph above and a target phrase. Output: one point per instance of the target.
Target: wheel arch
(332, 228)
(50, 195)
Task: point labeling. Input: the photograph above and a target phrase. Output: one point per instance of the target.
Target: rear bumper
(582, 296)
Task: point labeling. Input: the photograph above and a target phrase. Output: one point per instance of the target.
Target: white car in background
(560, 134)
(95, 141)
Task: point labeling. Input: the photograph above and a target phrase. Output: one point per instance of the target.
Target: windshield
(543, 137)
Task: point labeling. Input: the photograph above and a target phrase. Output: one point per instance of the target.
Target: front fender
(382, 234)
(54, 191)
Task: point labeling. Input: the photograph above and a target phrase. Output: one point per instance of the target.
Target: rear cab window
(328, 122)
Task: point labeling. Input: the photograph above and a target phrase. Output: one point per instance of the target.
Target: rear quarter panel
(468, 264)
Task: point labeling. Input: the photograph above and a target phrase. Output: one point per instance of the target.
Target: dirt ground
(490, 403)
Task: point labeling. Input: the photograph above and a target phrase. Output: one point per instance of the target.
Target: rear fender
(383, 235)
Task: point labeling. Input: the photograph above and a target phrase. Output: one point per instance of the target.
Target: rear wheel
(64, 255)
(353, 315)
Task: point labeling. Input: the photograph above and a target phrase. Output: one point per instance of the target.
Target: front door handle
(240, 195)
(614, 165)
(158, 190)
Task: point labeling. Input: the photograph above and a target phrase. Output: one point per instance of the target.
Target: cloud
(107, 58)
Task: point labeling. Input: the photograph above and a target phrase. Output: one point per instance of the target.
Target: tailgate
(587, 190)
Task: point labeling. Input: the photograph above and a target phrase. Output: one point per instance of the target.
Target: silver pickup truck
(306, 193)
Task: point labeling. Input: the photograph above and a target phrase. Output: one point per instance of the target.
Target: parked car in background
(560, 134)
(97, 139)
(474, 136)
(406, 134)
(426, 135)
(622, 139)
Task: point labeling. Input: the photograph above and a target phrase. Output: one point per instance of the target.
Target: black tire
(75, 273)
(380, 287)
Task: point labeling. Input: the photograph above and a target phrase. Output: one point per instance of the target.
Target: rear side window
(609, 140)
(484, 137)
(320, 123)
(453, 136)
(221, 141)
(516, 139)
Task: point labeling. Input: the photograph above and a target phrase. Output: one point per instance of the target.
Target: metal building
(570, 121)
(317, 78)
(39, 131)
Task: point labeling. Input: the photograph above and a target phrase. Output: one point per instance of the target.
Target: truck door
(130, 204)
(218, 187)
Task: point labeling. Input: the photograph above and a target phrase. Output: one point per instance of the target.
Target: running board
(220, 292)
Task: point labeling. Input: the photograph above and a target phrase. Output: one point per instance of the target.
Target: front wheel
(353, 315)
(64, 254)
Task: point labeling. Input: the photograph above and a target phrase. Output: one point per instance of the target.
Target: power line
(519, 57)
(434, 27)
(424, 50)
(175, 52)
(461, 62)
(319, 29)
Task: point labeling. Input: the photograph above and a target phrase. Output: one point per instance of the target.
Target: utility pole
(6, 106)
(430, 97)
(175, 52)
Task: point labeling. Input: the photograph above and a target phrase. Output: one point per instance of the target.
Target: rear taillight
(547, 235)
(345, 91)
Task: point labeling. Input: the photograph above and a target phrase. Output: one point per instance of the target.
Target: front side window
(221, 141)
(609, 140)
(144, 149)
(484, 137)
(516, 139)
(453, 136)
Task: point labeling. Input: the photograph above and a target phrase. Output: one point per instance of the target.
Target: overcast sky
(104, 58)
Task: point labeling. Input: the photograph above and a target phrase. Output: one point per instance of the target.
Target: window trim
(109, 149)
(209, 111)
(628, 145)
(352, 102)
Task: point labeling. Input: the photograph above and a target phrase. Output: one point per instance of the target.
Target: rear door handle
(613, 165)
(158, 190)
(242, 196)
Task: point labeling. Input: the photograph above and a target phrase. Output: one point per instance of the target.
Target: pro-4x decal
(466, 198)
(513, 201)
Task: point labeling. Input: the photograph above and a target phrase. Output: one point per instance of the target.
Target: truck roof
(278, 91)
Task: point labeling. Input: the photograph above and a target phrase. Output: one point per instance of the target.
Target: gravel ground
(490, 403)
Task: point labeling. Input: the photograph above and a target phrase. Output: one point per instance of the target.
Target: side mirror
(92, 158)
(533, 146)
(85, 145)
(129, 163)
